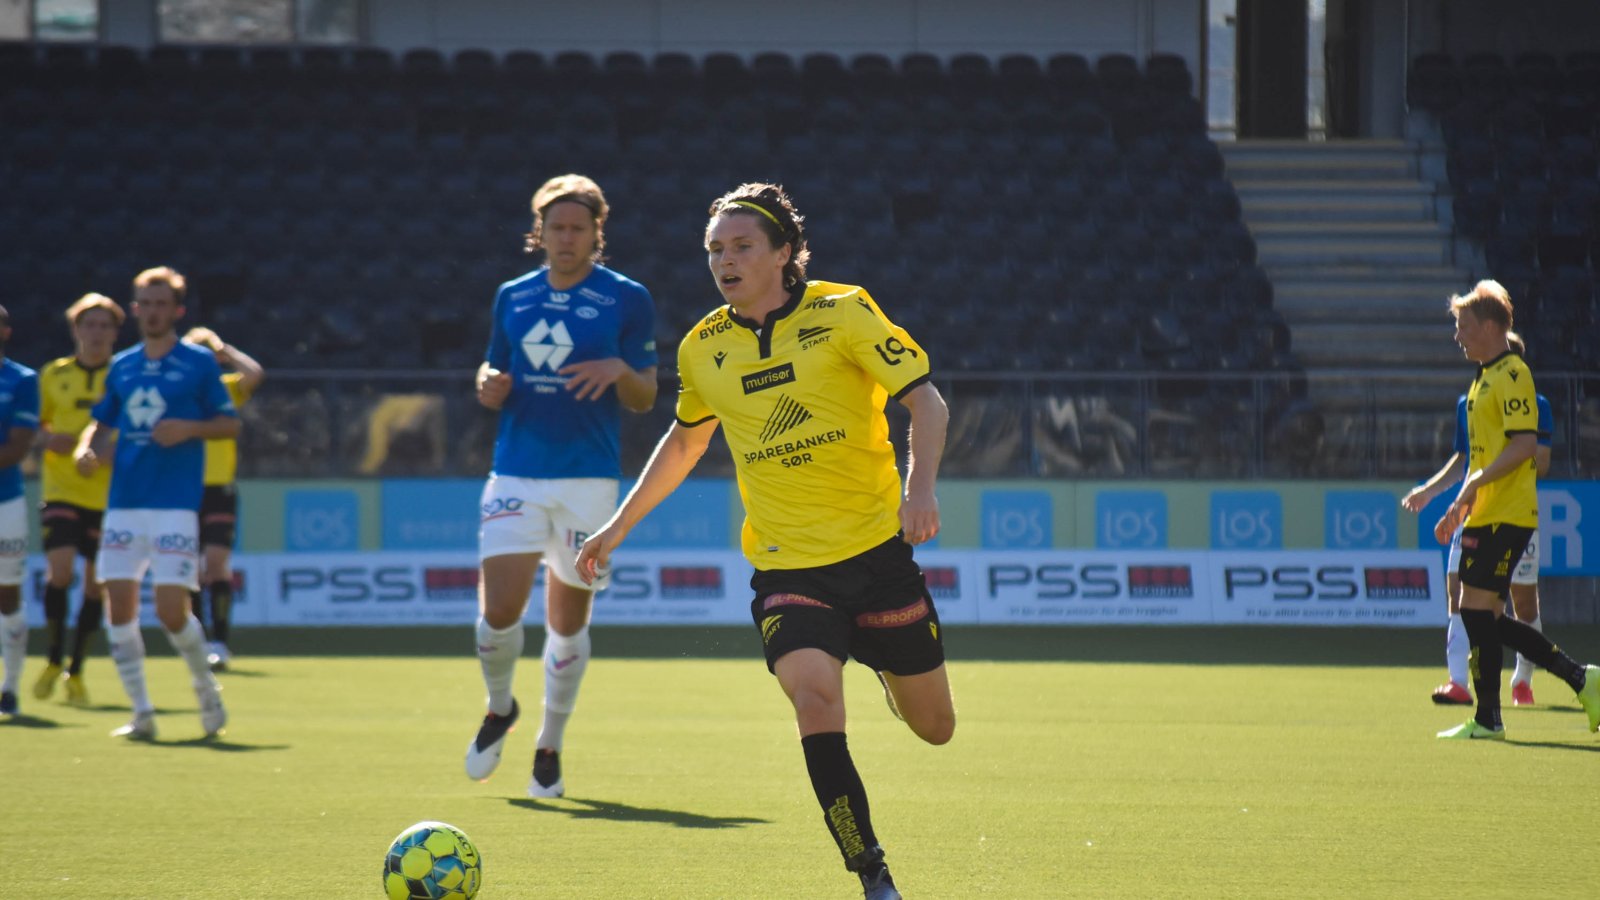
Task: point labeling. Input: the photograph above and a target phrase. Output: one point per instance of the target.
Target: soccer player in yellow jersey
(1498, 507)
(797, 374)
(219, 505)
(73, 504)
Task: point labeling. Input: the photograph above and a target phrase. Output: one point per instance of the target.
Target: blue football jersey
(19, 408)
(184, 384)
(544, 431)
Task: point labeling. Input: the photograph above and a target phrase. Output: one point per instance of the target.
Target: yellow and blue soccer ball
(432, 861)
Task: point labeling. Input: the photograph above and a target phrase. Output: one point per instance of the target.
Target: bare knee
(936, 730)
(817, 710)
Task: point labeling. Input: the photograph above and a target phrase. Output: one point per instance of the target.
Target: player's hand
(594, 558)
(64, 444)
(86, 462)
(1459, 509)
(589, 379)
(919, 518)
(494, 386)
(172, 431)
(1415, 501)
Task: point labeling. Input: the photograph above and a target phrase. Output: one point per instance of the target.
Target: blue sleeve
(214, 399)
(26, 412)
(108, 409)
(1461, 445)
(637, 340)
(1547, 421)
(498, 354)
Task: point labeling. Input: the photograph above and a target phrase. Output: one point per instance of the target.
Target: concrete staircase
(1362, 269)
(1360, 263)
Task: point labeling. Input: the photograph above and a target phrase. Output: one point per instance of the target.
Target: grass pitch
(1087, 763)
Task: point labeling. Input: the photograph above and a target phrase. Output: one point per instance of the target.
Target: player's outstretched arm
(175, 431)
(93, 443)
(919, 510)
(1423, 494)
(588, 380)
(674, 458)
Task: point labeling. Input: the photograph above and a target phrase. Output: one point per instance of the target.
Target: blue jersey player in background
(572, 345)
(164, 399)
(19, 419)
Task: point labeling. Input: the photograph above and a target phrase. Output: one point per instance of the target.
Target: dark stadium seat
(1072, 78)
(1168, 73)
(1118, 73)
(1433, 84)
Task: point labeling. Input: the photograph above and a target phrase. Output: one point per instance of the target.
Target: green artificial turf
(1138, 763)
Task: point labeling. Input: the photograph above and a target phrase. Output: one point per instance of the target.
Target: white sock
(1456, 650)
(565, 659)
(1524, 670)
(14, 647)
(190, 642)
(127, 649)
(497, 653)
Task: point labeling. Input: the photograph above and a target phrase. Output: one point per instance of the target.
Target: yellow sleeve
(237, 392)
(691, 409)
(883, 348)
(47, 405)
(1519, 406)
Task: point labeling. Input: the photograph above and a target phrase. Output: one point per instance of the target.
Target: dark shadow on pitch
(24, 720)
(1555, 745)
(218, 745)
(622, 812)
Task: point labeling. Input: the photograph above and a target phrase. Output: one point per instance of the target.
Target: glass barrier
(1356, 424)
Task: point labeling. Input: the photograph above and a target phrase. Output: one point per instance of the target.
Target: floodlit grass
(1087, 778)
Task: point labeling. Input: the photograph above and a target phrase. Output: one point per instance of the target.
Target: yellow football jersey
(801, 405)
(1501, 404)
(67, 393)
(222, 454)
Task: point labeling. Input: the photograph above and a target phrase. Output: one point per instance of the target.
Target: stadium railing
(1338, 424)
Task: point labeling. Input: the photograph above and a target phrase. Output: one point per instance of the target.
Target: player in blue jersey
(19, 420)
(1524, 580)
(572, 344)
(163, 399)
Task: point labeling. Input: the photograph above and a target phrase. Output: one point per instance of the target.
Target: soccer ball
(432, 861)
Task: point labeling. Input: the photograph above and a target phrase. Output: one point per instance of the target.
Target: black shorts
(219, 515)
(70, 525)
(1489, 555)
(873, 606)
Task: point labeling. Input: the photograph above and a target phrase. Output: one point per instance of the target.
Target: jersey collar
(1484, 367)
(789, 306)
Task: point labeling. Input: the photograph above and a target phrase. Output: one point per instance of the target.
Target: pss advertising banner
(1011, 587)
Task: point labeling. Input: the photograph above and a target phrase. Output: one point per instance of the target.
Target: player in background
(797, 373)
(163, 398)
(219, 504)
(1524, 581)
(19, 420)
(72, 504)
(571, 345)
(1498, 506)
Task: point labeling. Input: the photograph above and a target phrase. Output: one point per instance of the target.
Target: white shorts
(552, 516)
(1453, 564)
(164, 541)
(1527, 571)
(13, 540)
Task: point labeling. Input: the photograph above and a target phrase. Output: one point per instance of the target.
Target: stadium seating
(315, 193)
(1522, 164)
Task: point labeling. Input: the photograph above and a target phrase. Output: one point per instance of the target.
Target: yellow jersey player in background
(1498, 510)
(797, 374)
(219, 505)
(72, 504)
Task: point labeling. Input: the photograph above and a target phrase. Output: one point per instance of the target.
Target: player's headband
(787, 233)
(582, 200)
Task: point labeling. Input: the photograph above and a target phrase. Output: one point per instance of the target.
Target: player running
(1498, 506)
(571, 345)
(797, 373)
(19, 420)
(163, 398)
(219, 504)
(73, 504)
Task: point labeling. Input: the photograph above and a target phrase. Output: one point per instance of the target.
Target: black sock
(55, 620)
(1487, 660)
(221, 609)
(90, 615)
(1541, 652)
(197, 607)
(841, 794)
